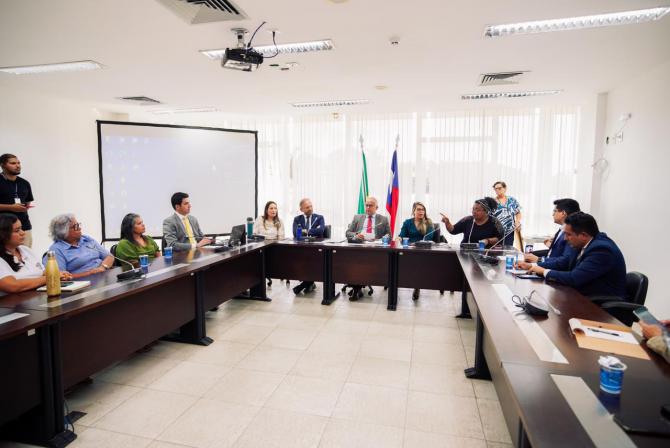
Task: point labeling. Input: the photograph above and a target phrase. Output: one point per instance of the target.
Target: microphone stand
(133, 274)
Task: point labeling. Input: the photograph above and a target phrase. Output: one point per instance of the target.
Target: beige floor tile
(394, 331)
(393, 317)
(485, 389)
(437, 319)
(335, 343)
(468, 337)
(312, 307)
(431, 333)
(493, 421)
(306, 395)
(172, 350)
(271, 359)
(439, 353)
(372, 404)
(280, 429)
(263, 318)
(147, 414)
(248, 387)
(498, 445)
(466, 324)
(386, 348)
(299, 322)
(245, 333)
(355, 311)
(139, 371)
(349, 434)
(222, 353)
(324, 365)
(444, 414)
(190, 378)
(160, 444)
(380, 372)
(97, 399)
(440, 380)
(418, 439)
(469, 355)
(289, 338)
(99, 438)
(346, 326)
(209, 424)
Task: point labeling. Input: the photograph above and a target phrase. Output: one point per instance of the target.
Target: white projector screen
(142, 165)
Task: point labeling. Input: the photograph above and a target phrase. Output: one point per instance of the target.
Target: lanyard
(16, 186)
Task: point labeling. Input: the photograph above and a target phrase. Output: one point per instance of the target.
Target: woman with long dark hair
(133, 240)
(269, 225)
(416, 228)
(20, 269)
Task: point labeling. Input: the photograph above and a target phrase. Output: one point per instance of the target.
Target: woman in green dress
(133, 241)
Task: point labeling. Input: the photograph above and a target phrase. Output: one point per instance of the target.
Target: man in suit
(181, 231)
(370, 225)
(598, 269)
(559, 251)
(312, 225)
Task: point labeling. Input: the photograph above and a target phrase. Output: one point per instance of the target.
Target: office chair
(112, 250)
(636, 294)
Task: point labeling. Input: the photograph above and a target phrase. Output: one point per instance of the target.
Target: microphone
(128, 275)
(503, 238)
(426, 243)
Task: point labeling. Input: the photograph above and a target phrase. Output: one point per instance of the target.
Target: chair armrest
(620, 305)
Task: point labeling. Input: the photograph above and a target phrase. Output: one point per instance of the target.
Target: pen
(603, 331)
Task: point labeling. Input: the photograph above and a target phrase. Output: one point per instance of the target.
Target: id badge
(17, 200)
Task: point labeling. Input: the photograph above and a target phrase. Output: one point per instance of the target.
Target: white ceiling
(147, 50)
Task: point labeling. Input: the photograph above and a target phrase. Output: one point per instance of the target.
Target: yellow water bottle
(53, 275)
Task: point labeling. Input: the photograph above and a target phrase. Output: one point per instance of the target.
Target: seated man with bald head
(311, 224)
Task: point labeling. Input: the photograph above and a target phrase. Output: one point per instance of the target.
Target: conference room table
(63, 340)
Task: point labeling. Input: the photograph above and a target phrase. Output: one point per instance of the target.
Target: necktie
(369, 227)
(189, 230)
(553, 242)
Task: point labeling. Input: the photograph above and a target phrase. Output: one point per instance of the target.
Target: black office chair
(326, 232)
(112, 250)
(636, 294)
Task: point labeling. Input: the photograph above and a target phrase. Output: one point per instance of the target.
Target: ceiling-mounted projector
(243, 57)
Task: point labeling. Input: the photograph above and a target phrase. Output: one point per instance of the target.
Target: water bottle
(298, 233)
(250, 228)
(53, 275)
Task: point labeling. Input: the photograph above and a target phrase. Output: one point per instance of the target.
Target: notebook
(70, 286)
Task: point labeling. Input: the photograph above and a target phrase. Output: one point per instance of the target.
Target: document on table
(597, 331)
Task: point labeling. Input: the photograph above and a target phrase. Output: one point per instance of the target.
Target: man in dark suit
(559, 250)
(598, 268)
(311, 225)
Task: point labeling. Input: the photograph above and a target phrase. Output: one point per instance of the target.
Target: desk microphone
(134, 272)
(426, 243)
(503, 238)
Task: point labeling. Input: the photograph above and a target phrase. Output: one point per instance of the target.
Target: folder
(601, 340)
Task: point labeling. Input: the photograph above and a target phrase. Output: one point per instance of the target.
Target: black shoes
(415, 294)
(304, 286)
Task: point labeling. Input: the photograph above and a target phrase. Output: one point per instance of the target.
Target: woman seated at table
(20, 269)
(481, 226)
(134, 242)
(269, 225)
(78, 254)
(416, 228)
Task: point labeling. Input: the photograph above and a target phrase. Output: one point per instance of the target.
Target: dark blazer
(409, 230)
(600, 271)
(317, 228)
(560, 253)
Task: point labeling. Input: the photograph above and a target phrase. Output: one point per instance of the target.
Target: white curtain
(446, 160)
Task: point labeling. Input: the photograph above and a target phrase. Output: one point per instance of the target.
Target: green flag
(363, 190)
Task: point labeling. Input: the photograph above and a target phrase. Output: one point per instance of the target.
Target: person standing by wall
(16, 194)
(508, 213)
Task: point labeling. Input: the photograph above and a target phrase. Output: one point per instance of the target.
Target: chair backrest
(437, 233)
(326, 231)
(112, 250)
(636, 287)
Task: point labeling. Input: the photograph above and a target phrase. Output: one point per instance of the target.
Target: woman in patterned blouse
(508, 212)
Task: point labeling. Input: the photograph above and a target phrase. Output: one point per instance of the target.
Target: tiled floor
(294, 373)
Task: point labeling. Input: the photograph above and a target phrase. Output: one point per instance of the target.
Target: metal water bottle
(53, 275)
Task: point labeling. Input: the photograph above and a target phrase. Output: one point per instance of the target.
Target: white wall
(632, 207)
(56, 141)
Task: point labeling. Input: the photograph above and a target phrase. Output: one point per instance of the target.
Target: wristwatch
(105, 266)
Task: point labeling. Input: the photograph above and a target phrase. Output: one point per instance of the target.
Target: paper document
(595, 331)
(70, 286)
(518, 271)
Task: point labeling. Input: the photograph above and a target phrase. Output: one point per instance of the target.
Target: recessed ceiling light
(331, 103)
(574, 23)
(48, 68)
(488, 96)
(269, 50)
(192, 110)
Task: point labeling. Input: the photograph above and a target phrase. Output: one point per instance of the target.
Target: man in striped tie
(181, 231)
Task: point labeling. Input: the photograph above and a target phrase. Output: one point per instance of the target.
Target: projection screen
(143, 164)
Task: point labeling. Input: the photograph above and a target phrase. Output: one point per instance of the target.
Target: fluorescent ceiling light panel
(331, 103)
(49, 68)
(192, 110)
(269, 50)
(575, 23)
(488, 96)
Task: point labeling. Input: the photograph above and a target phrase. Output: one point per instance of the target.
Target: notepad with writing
(604, 337)
(70, 286)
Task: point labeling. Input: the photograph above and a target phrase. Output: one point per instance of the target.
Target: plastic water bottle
(298, 233)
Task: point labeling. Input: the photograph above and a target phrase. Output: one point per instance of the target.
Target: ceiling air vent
(140, 100)
(500, 79)
(205, 11)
